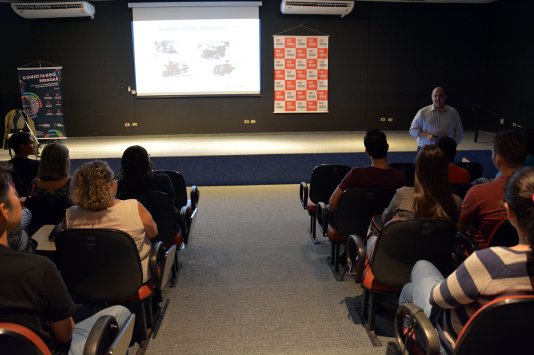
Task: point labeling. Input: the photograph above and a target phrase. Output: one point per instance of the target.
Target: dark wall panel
(384, 60)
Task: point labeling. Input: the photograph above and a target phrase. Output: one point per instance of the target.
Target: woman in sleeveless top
(93, 193)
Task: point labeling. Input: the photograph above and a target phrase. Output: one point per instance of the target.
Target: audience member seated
(430, 197)
(54, 170)
(482, 207)
(457, 175)
(376, 176)
(24, 168)
(33, 293)
(137, 173)
(93, 193)
(484, 275)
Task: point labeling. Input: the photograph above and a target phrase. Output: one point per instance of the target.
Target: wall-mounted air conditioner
(317, 7)
(54, 9)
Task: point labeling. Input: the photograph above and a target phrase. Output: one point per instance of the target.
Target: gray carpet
(253, 283)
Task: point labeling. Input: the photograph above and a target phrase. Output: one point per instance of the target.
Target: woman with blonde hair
(93, 193)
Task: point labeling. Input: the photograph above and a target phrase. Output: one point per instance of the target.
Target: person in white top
(93, 192)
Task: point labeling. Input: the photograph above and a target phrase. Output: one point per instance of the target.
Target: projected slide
(197, 57)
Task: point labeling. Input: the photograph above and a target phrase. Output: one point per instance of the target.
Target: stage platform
(257, 158)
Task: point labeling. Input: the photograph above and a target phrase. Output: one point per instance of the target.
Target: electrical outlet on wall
(390, 119)
(126, 124)
(382, 119)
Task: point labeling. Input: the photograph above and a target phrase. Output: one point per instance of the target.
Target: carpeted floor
(253, 283)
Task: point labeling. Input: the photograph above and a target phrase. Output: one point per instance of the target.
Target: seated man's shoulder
(25, 262)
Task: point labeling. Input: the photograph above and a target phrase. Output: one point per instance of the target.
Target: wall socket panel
(390, 119)
(382, 119)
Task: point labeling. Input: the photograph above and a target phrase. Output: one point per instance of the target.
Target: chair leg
(313, 227)
(140, 325)
(372, 312)
(333, 252)
(365, 305)
(336, 257)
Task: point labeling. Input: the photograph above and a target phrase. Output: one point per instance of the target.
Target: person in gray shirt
(436, 120)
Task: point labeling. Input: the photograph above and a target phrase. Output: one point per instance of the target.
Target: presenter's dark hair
(17, 139)
(376, 144)
(511, 146)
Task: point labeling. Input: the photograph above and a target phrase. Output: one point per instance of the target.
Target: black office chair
(46, 209)
(502, 326)
(161, 207)
(503, 235)
(188, 207)
(324, 180)
(407, 169)
(106, 338)
(399, 246)
(102, 267)
(353, 214)
(474, 168)
(17, 339)
(460, 190)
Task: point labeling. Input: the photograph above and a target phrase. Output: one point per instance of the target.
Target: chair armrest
(182, 221)
(357, 252)
(194, 196)
(410, 321)
(122, 341)
(101, 336)
(303, 194)
(463, 246)
(154, 260)
(322, 217)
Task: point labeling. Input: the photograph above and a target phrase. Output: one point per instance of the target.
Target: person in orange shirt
(457, 175)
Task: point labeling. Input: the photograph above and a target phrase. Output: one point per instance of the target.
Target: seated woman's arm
(151, 229)
(394, 204)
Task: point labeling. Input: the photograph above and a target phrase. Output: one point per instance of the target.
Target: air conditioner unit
(54, 9)
(317, 7)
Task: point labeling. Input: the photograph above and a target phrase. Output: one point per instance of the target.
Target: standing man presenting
(436, 120)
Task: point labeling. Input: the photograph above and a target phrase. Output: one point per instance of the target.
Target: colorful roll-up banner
(42, 100)
(300, 74)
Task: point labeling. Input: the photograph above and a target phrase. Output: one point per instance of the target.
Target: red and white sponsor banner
(300, 74)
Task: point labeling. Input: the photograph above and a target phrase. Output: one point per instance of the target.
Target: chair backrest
(357, 206)
(502, 326)
(474, 168)
(503, 235)
(46, 209)
(460, 189)
(407, 169)
(98, 264)
(161, 207)
(17, 339)
(178, 184)
(324, 180)
(404, 242)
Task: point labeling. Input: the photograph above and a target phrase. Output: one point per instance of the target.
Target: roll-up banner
(42, 100)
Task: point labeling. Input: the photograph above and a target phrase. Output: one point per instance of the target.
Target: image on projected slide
(201, 57)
